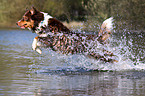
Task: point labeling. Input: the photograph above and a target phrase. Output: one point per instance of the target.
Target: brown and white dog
(53, 34)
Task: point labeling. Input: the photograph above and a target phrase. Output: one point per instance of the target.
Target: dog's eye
(26, 18)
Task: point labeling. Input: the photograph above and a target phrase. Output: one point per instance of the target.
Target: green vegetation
(130, 13)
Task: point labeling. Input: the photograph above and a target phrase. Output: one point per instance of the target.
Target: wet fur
(55, 35)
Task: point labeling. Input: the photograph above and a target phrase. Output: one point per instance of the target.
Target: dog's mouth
(23, 26)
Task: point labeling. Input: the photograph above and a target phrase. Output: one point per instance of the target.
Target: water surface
(24, 72)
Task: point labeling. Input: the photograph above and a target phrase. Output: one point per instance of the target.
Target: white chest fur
(43, 23)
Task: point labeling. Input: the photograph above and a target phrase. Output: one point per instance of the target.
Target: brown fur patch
(31, 19)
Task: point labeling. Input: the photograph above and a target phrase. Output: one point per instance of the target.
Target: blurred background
(24, 72)
(127, 13)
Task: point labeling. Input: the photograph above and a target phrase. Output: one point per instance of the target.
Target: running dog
(53, 34)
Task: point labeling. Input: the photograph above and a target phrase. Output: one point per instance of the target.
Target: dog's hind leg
(102, 58)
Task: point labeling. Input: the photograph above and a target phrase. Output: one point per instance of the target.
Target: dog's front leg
(35, 44)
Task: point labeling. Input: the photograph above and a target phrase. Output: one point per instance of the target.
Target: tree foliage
(128, 12)
(132, 12)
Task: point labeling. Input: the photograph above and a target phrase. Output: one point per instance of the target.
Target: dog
(53, 34)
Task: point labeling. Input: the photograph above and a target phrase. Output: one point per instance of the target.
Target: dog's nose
(16, 23)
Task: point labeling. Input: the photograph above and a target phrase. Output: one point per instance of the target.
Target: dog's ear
(33, 10)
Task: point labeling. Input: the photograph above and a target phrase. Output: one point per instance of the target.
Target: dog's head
(31, 19)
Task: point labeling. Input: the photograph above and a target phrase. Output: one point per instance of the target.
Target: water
(23, 72)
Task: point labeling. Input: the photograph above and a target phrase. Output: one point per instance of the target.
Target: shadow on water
(25, 72)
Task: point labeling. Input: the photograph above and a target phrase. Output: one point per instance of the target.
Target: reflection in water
(24, 72)
(85, 83)
(98, 84)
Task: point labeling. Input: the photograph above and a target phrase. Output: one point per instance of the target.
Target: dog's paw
(34, 44)
(39, 51)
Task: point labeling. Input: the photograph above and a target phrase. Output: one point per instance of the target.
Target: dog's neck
(43, 23)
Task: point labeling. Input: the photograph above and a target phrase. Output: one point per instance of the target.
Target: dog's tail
(105, 30)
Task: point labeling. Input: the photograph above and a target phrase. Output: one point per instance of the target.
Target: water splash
(126, 45)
